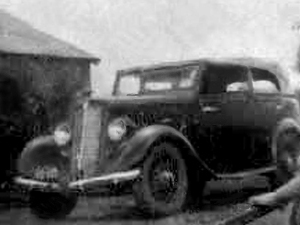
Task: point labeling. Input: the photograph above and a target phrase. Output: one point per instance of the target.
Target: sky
(125, 33)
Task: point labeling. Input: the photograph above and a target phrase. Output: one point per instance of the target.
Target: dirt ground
(222, 199)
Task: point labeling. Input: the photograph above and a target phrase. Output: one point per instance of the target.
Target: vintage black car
(166, 131)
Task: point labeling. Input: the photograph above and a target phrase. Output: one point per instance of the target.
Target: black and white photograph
(137, 112)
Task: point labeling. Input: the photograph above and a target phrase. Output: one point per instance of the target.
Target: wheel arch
(135, 150)
(187, 151)
(35, 153)
(283, 125)
(282, 173)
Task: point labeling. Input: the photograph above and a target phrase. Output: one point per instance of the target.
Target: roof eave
(92, 59)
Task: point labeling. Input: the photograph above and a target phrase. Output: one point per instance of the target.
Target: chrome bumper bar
(113, 178)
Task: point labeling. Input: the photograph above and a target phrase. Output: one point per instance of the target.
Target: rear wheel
(163, 187)
(286, 151)
(295, 214)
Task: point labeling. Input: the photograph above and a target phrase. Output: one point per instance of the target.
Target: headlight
(62, 134)
(116, 129)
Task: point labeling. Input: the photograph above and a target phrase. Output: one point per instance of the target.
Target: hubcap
(164, 179)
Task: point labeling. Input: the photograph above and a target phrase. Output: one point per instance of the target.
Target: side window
(264, 81)
(221, 79)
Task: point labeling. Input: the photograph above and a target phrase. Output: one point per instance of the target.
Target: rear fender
(286, 125)
(136, 149)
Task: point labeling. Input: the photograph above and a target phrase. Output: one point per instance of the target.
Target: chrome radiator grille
(76, 127)
(87, 130)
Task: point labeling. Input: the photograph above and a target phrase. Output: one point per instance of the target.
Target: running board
(250, 173)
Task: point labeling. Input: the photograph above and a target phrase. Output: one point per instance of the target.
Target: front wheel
(163, 186)
(48, 204)
(53, 205)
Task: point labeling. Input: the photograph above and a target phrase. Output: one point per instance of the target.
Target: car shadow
(227, 199)
(218, 196)
(227, 193)
(129, 213)
(221, 196)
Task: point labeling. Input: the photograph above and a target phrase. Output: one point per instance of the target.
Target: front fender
(41, 150)
(135, 150)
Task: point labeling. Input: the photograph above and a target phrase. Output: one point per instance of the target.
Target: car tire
(286, 151)
(196, 190)
(163, 187)
(52, 205)
(48, 203)
(295, 213)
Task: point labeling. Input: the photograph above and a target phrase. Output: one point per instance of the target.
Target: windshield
(156, 81)
(129, 84)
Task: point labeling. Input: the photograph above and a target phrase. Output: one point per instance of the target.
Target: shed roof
(18, 37)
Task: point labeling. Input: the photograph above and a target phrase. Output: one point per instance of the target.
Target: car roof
(250, 62)
(255, 62)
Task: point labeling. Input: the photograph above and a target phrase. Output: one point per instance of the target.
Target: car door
(266, 101)
(226, 113)
(266, 98)
(221, 105)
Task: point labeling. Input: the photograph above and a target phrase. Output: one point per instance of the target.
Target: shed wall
(55, 80)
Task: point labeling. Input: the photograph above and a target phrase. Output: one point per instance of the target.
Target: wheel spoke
(164, 178)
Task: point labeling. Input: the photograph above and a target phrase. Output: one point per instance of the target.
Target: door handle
(207, 109)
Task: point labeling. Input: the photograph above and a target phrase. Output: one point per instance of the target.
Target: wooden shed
(37, 69)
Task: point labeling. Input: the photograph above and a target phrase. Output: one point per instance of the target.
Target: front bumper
(83, 185)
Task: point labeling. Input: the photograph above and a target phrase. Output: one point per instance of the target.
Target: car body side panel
(266, 108)
(272, 108)
(226, 109)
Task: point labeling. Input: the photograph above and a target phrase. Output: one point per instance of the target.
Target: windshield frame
(143, 76)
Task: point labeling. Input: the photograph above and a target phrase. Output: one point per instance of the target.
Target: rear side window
(224, 78)
(264, 81)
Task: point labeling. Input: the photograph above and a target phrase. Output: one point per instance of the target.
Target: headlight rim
(115, 123)
(64, 129)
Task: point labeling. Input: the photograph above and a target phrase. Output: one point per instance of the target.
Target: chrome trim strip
(113, 178)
